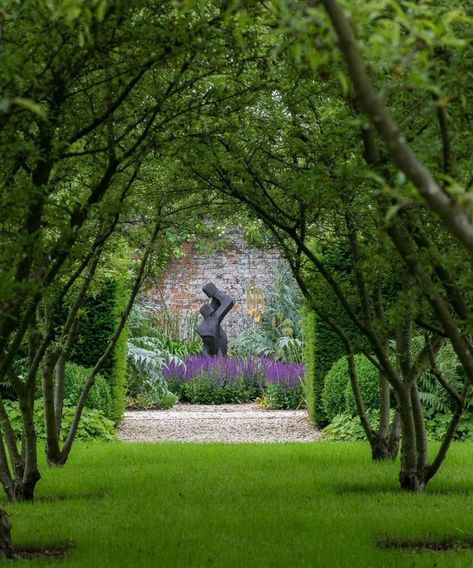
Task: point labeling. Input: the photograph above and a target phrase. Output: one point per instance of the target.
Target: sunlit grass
(321, 504)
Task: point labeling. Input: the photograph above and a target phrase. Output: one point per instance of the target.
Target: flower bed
(201, 379)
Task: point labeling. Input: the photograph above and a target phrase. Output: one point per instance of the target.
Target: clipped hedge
(327, 349)
(118, 377)
(97, 324)
(311, 385)
(322, 348)
(338, 395)
(327, 344)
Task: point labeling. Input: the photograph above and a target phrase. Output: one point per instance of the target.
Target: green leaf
(391, 212)
(101, 9)
(344, 82)
(31, 106)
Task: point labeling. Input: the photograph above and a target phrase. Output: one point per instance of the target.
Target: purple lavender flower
(256, 371)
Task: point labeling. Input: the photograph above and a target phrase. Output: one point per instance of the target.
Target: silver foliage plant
(148, 353)
(279, 334)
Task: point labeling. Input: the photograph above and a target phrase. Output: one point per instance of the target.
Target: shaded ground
(222, 423)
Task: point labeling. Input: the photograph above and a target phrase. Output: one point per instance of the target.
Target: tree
(274, 160)
(452, 207)
(87, 103)
(250, 105)
(439, 59)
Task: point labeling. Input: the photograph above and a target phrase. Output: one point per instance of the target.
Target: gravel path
(222, 423)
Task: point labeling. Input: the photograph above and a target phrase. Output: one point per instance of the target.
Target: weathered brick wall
(233, 270)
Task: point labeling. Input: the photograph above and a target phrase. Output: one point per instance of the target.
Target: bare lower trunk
(6, 545)
(412, 476)
(52, 441)
(6, 478)
(60, 372)
(412, 481)
(384, 448)
(384, 406)
(385, 443)
(24, 488)
(380, 449)
(25, 485)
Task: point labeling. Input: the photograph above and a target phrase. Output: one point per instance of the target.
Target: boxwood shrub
(99, 396)
(338, 395)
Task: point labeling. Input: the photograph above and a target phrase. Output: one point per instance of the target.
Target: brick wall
(233, 270)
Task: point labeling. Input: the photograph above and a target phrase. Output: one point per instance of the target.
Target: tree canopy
(344, 127)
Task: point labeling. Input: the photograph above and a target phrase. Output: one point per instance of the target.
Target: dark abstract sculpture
(213, 337)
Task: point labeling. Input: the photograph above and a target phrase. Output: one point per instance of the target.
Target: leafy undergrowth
(243, 505)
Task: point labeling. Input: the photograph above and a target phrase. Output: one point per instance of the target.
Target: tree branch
(445, 206)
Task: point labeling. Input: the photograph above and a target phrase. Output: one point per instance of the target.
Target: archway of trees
(347, 134)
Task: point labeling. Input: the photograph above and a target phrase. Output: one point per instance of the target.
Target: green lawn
(322, 504)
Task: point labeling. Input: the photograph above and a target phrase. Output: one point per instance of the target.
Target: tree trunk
(380, 449)
(6, 545)
(60, 372)
(411, 476)
(385, 443)
(25, 487)
(52, 441)
(383, 448)
(412, 481)
(395, 435)
(5, 471)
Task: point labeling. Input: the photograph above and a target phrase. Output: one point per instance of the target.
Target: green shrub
(118, 373)
(93, 424)
(344, 428)
(202, 389)
(168, 400)
(100, 316)
(277, 397)
(338, 395)
(437, 427)
(311, 386)
(151, 399)
(333, 394)
(435, 399)
(99, 396)
(96, 327)
(329, 350)
(368, 379)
